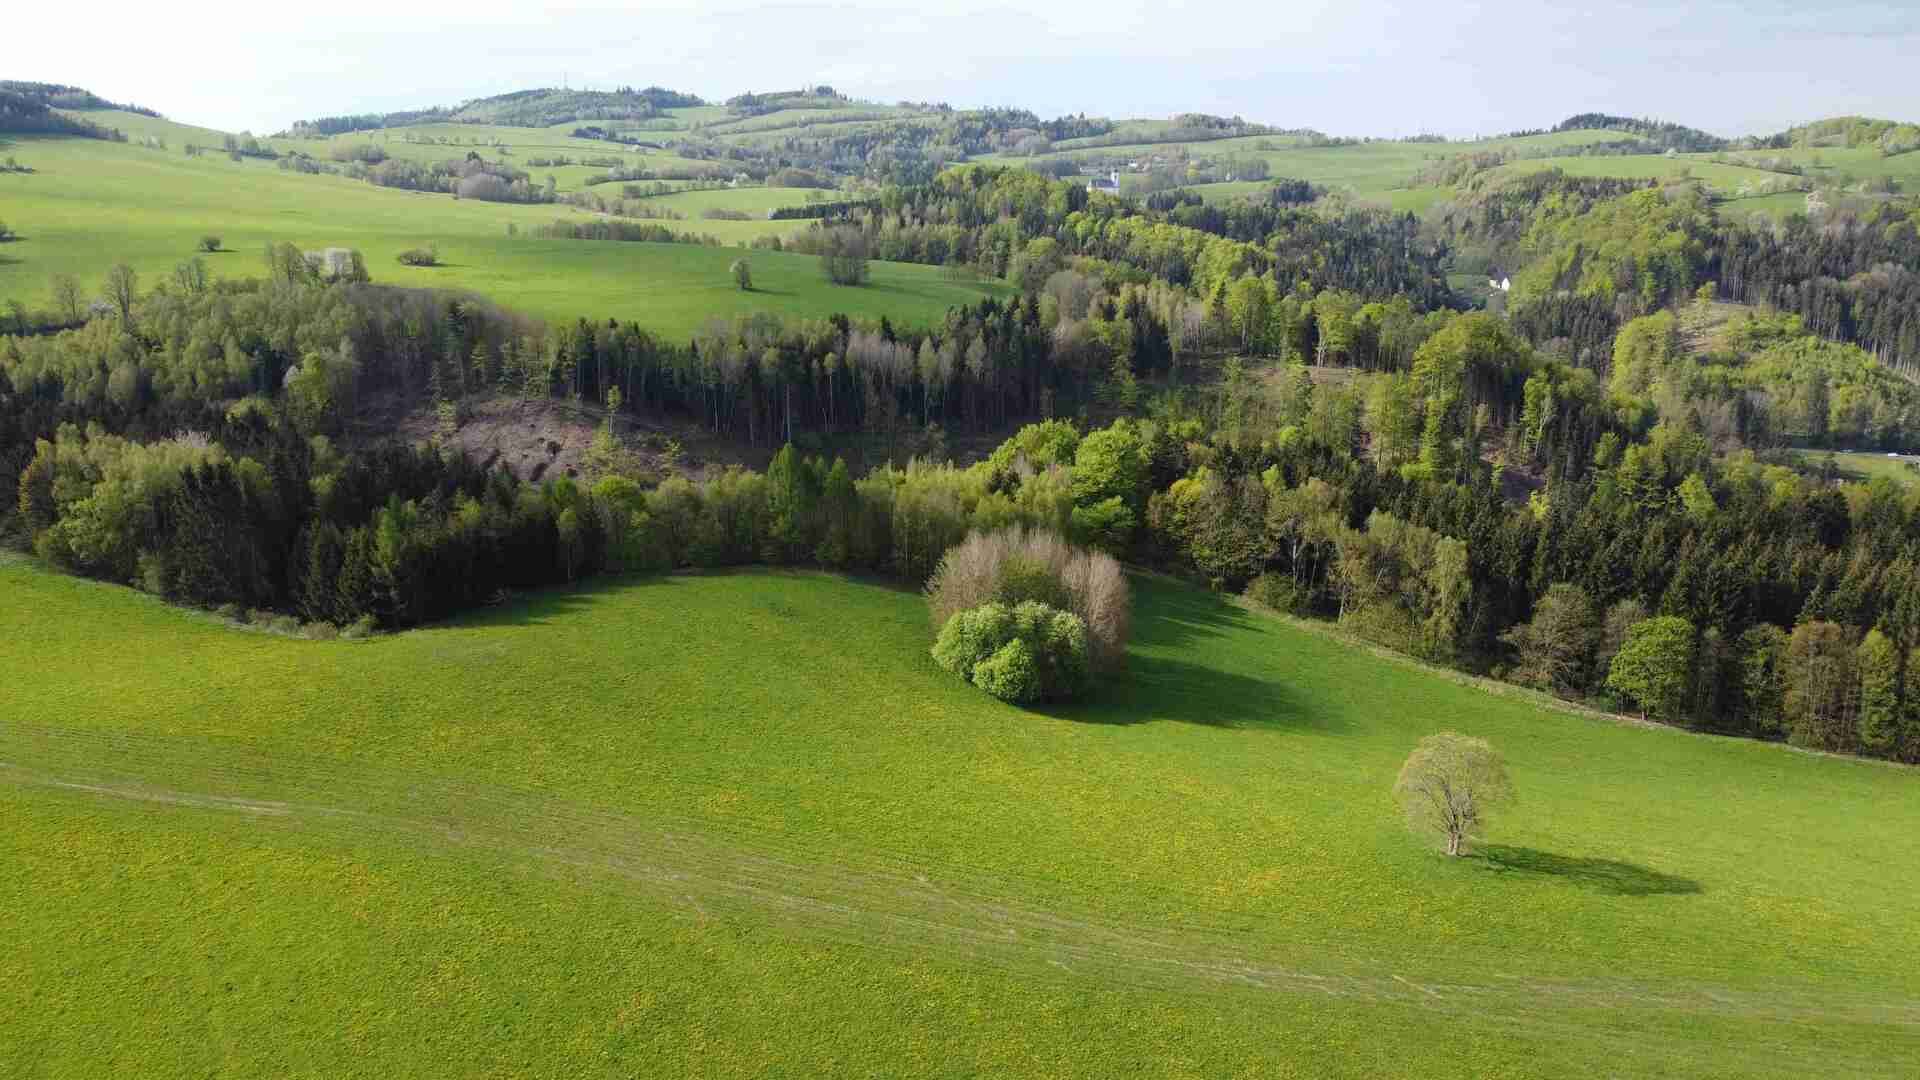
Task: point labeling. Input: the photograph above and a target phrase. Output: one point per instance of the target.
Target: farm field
(740, 824)
(90, 204)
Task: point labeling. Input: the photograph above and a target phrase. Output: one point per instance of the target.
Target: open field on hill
(1720, 178)
(741, 825)
(90, 204)
(1381, 172)
(1861, 467)
(748, 200)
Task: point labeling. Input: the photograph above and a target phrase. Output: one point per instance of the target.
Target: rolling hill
(758, 830)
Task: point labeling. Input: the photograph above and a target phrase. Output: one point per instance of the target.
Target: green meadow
(90, 204)
(1862, 467)
(740, 824)
(1380, 172)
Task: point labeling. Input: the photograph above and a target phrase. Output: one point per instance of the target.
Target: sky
(1344, 67)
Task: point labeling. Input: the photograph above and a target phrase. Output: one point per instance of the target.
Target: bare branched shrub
(982, 567)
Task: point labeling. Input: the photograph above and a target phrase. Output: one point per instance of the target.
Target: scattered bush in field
(742, 275)
(1449, 786)
(1023, 653)
(1017, 565)
(362, 627)
(426, 256)
(209, 243)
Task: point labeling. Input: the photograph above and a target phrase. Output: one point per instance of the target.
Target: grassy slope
(1379, 172)
(740, 825)
(91, 203)
(1862, 467)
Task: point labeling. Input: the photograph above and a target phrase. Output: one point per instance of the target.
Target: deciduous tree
(1451, 785)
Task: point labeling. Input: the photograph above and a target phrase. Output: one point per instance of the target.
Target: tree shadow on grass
(1170, 616)
(535, 607)
(1160, 689)
(1596, 875)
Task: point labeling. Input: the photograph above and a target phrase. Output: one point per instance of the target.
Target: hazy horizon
(1360, 67)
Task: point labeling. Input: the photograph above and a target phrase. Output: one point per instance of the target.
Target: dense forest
(1591, 254)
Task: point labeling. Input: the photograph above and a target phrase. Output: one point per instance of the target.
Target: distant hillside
(1852, 132)
(28, 112)
(523, 108)
(819, 97)
(56, 96)
(1664, 136)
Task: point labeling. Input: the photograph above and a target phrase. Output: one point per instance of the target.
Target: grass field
(1377, 172)
(90, 204)
(1861, 467)
(749, 200)
(741, 825)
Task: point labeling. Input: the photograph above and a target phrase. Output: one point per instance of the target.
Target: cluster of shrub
(839, 209)
(631, 231)
(471, 177)
(661, 172)
(1026, 616)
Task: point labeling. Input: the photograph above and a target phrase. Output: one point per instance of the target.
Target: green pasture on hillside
(1380, 172)
(1864, 466)
(740, 825)
(90, 204)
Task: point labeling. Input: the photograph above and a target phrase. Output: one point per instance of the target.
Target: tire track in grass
(817, 885)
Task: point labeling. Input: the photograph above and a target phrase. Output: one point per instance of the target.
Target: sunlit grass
(741, 823)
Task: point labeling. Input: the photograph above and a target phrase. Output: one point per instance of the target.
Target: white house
(1503, 283)
(1110, 185)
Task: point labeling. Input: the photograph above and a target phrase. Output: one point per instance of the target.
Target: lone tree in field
(742, 275)
(843, 255)
(1450, 785)
(209, 243)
